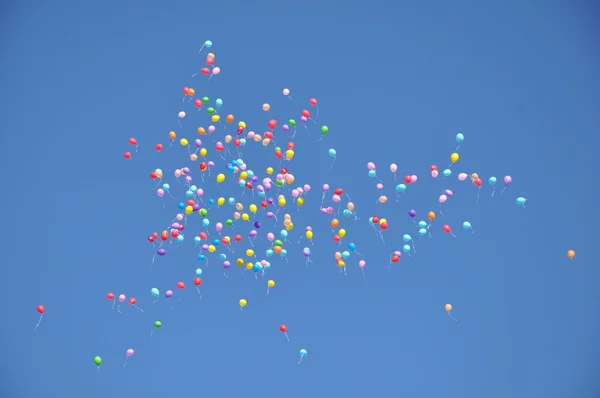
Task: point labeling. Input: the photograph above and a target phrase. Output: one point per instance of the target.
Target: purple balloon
(323, 210)
(186, 170)
(308, 228)
(507, 180)
(412, 213)
(204, 247)
(168, 293)
(270, 201)
(188, 179)
(161, 252)
(198, 142)
(175, 225)
(253, 233)
(256, 224)
(196, 207)
(270, 214)
(397, 253)
(254, 178)
(226, 264)
(211, 164)
(448, 193)
(260, 188)
(325, 187)
(285, 127)
(303, 119)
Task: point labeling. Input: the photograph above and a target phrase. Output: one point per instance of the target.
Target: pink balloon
(295, 193)
(362, 264)
(300, 190)
(211, 129)
(371, 166)
(379, 186)
(121, 298)
(250, 135)
(307, 188)
(286, 91)
(130, 352)
(413, 178)
(216, 70)
(181, 114)
(177, 173)
(443, 199)
(393, 167)
(325, 187)
(462, 176)
(434, 173)
(219, 227)
(179, 217)
(160, 192)
(336, 198)
(330, 210)
(270, 237)
(199, 192)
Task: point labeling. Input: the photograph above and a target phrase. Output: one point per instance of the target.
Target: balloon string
(38, 324)
(287, 337)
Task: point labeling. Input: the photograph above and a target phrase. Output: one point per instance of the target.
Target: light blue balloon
(460, 138)
(269, 252)
(303, 352)
(250, 173)
(242, 183)
(179, 238)
(422, 231)
(208, 44)
(193, 188)
(447, 173)
(406, 248)
(352, 246)
(467, 225)
(198, 271)
(400, 188)
(219, 102)
(197, 239)
(242, 142)
(189, 194)
(422, 224)
(166, 187)
(283, 233)
(345, 254)
(206, 222)
(155, 292)
(492, 180)
(262, 194)
(406, 238)
(372, 174)
(332, 152)
(283, 253)
(521, 201)
(268, 265)
(222, 257)
(231, 201)
(347, 213)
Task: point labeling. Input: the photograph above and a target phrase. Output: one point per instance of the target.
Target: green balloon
(210, 111)
(157, 324)
(324, 130)
(205, 99)
(203, 212)
(97, 360)
(292, 122)
(278, 242)
(229, 222)
(279, 183)
(277, 149)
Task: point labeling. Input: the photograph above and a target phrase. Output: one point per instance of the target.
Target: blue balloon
(201, 257)
(216, 242)
(222, 257)
(460, 138)
(345, 254)
(256, 267)
(351, 246)
(400, 188)
(231, 201)
(303, 352)
(332, 153)
(346, 213)
(211, 202)
(269, 252)
(181, 206)
(492, 180)
(283, 253)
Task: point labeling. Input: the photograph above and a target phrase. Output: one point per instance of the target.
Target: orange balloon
(277, 249)
(334, 223)
(474, 176)
(448, 307)
(571, 254)
(210, 56)
(350, 206)
(431, 215)
(191, 91)
(201, 131)
(229, 118)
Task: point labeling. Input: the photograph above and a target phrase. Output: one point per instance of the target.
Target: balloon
(393, 167)
(271, 283)
(266, 107)
(41, 309)
(181, 114)
(460, 138)
(286, 91)
(492, 180)
(571, 254)
(97, 360)
(448, 307)
(283, 328)
(129, 352)
(324, 130)
(507, 180)
(454, 157)
(243, 303)
(467, 225)
(208, 44)
(216, 70)
(157, 324)
(521, 201)
(332, 153)
(462, 176)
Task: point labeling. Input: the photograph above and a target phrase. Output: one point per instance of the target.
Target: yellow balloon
(249, 252)
(290, 226)
(269, 170)
(281, 202)
(243, 303)
(242, 124)
(203, 152)
(300, 201)
(239, 262)
(243, 175)
(249, 266)
(183, 142)
(309, 234)
(220, 201)
(221, 177)
(342, 233)
(341, 263)
(454, 157)
(271, 283)
(245, 216)
(215, 118)
(253, 208)
(382, 221)
(189, 210)
(212, 248)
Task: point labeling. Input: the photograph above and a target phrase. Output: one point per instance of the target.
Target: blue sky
(395, 83)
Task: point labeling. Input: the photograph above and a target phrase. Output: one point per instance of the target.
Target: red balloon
(395, 258)
(268, 134)
(283, 328)
(248, 185)
(338, 191)
(132, 301)
(237, 238)
(203, 235)
(306, 113)
(433, 167)
(278, 154)
(284, 171)
(174, 233)
(197, 281)
(225, 241)
(132, 141)
(190, 202)
(198, 103)
(384, 226)
(240, 130)
(158, 147)
(313, 101)
(205, 71)
(237, 142)
(164, 235)
(210, 61)
(180, 228)
(127, 155)
(180, 285)
(110, 296)
(219, 147)
(291, 145)
(407, 179)
(337, 238)
(153, 175)
(40, 309)
(151, 239)
(375, 219)
(154, 235)
(446, 228)
(272, 123)
(264, 204)
(186, 90)
(478, 182)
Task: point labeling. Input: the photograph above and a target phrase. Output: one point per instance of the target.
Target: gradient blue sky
(395, 82)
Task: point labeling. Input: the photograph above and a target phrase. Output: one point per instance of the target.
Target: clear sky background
(395, 82)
